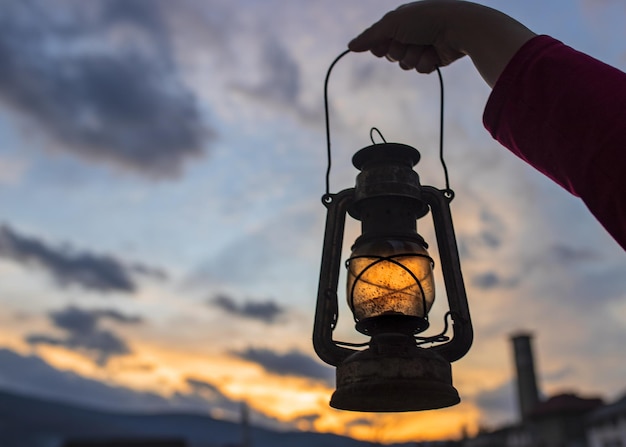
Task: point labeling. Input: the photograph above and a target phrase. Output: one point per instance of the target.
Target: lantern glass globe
(390, 276)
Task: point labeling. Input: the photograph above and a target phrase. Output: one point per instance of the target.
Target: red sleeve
(564, 113)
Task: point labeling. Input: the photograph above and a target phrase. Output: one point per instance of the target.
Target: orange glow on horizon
(402, 427)
(291, 400)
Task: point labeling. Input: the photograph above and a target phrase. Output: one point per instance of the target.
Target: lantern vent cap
(395, 153)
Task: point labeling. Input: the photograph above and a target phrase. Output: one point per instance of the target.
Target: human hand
(427, 34)
(416, 35)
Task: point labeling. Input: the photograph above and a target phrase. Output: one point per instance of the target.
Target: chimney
(245, 425)
(527, 391)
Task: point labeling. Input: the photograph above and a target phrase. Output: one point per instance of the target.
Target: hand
(415, 35)
(427, 34)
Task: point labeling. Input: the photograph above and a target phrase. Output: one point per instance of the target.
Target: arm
(559, 110)
(563, 112)
(426, 34)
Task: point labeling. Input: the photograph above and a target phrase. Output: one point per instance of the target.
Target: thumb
(374, 36)
(360, 43)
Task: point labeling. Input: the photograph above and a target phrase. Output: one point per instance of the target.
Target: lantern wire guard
(391, 372)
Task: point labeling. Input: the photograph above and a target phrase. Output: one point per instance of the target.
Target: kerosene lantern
(390, 288)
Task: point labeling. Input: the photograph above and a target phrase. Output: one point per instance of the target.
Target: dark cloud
(492, 280)
(498, 403)
(493, 229)
(487, 280)
(266, 311)
(137, 13)
(152, 272)
(559, 375)
(309, 418)
(208, 392)
(281, 76)
(201, 385)
(360, 422)
(101, 344)
(576, 273)
(306, 421)
(84, 335)
(570, 254)
(490, 235)
(292, 363)
(98, 78)
(96, 272)
(281, 82)
(205, 396)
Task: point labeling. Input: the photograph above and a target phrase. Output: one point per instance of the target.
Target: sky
(161, 168)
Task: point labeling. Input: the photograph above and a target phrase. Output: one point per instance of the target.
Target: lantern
(390, 288)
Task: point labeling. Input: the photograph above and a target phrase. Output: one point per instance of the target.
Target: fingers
(396, 51)
(398, 38)
(381, 49)
(428, 61)
(411, 57)
(423, 58)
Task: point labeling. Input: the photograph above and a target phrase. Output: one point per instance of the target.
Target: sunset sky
(161, 168)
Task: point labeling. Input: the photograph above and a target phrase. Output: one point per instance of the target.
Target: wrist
(490, 38)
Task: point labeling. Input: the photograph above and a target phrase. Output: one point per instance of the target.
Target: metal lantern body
(390, 288)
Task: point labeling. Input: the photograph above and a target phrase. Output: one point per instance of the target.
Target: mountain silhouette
(27, 421)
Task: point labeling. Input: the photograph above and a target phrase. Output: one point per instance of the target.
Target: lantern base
(377, 381)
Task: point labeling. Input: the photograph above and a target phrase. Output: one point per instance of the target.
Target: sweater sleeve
(564, 113)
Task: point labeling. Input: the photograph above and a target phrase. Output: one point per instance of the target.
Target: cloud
(266, 311)
(96, 272)
(570, 275)
(100, 81)
(32, 375)
(206, 397)
(363, 422)
(280, 83)
(207, 392)
(82, 321)
(11, 171)
(283, 238)
(497, 404)
(569, 254)
(492, 280)
(152, 272)
(203, 385)
(84, 335)
(492, 229)
(292, 363)
(559, 375)
(281, 76)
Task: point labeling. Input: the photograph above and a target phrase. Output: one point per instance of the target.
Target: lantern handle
(447, 192)
(328, 151)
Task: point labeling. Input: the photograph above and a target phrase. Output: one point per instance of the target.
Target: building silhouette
(606, 426)
(563, 420)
